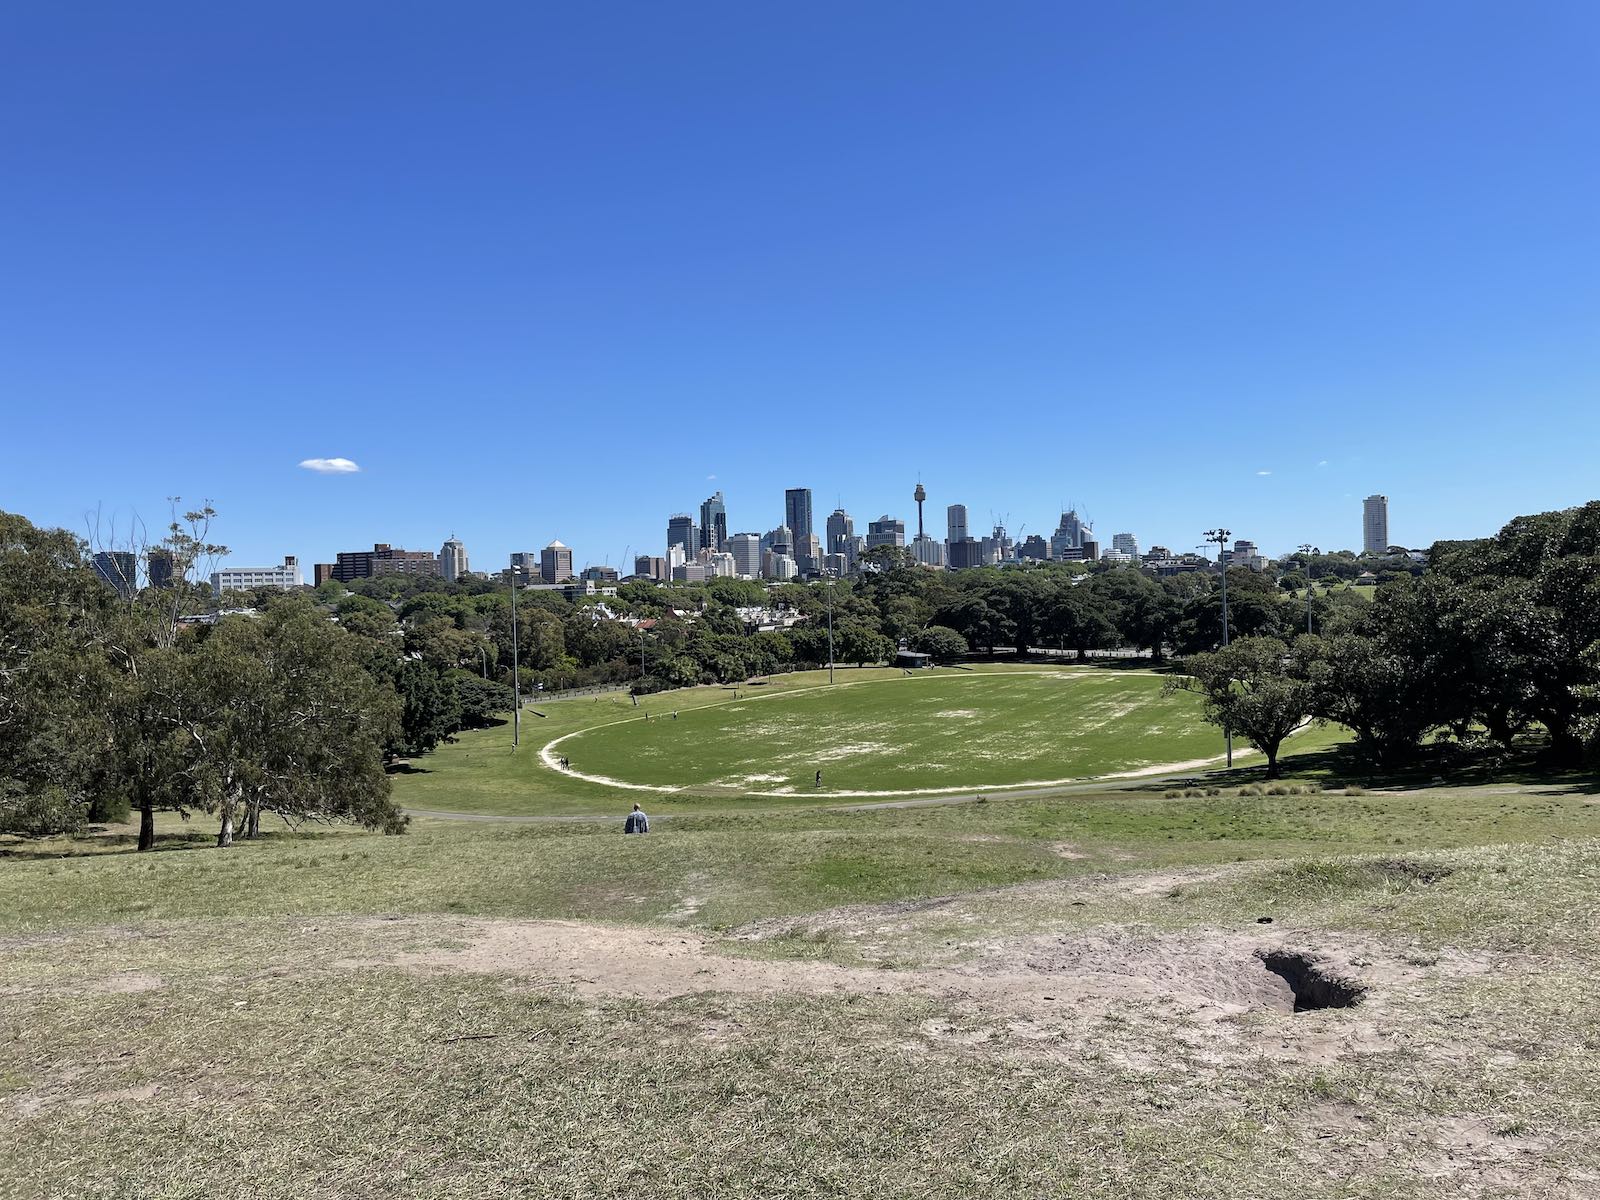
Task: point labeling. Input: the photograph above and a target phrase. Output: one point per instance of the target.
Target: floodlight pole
(516, 670)
(830, 631)
(1220, 537)
(1305, 553)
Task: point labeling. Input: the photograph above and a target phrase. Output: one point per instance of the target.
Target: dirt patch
(1207, 974)
(127, 983)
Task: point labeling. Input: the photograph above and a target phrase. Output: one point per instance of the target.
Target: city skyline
(1073, 529)
(1183, 269)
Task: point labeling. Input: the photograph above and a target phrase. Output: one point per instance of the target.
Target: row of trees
(111, 704)
(1499, 640)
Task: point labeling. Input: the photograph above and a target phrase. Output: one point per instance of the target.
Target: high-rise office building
(886, 531)
(161, 566)
(119, 569)
(452, 559)
(713, 523)
(1035, 547)
(797, 512)
(555, 563)
(650, 566)
(682, 532)
(238, 579)
(1375, 525)
(524, 566)
(965, 552)
(321, 573)
(955, 522)
(781, 540)
(840, 529)
(1126, 543)
(927, 551)
(746, 551)
(808, 553)
(1069, 535)
(1091, 550)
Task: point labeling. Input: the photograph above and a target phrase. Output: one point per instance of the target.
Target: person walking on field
(637, 822)
(819, 779)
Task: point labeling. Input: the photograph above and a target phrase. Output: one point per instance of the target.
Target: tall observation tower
(919, 496)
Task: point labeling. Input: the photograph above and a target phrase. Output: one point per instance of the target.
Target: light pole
(830, 626)
(1305, 555)
(484, 651)
(1220, 537)
(516, 670)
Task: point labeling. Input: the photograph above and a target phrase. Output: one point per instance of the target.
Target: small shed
(912, 659)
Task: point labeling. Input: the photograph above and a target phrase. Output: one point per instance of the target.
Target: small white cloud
(1323, 463)
(1263, 472)
(330, 466)
(710, 476)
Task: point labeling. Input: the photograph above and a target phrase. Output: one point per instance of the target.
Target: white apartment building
(453, 560)
(1126, 543)
(237, 579)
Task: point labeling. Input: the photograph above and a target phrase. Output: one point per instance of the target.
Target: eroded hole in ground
(1315, 984)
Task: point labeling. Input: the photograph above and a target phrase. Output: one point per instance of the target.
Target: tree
(276, 715)
(858, 642)
(942, 643)
(430, 709)
(1253, 687)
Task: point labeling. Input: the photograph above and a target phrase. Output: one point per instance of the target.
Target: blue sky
(562, 270)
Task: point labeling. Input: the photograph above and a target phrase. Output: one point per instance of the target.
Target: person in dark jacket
(637, 822)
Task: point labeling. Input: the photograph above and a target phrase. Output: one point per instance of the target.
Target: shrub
(45, 813)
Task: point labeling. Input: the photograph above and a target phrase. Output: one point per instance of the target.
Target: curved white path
(552, 760)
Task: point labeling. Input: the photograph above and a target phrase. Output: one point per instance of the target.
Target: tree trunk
(1272, 759)
(230, 801)
(252, 818)
(147, 824)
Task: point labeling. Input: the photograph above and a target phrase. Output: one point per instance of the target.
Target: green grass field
(876, 733)
(929, 732)
(1046, 994)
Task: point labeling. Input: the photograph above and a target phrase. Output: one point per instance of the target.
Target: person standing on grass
(637, 822)
(819, 779)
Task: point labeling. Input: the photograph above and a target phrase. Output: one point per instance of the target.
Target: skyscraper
(681, 532)
(840, 530)
(452, 559)
(746, 551)
(555, 563)
(160, 563)
(1069, 534)
(797, 512)
(886, 531)
(713, 523)
(119, 569)
(524, 565)
(781, 540)
(956, 523)
(1375, 525)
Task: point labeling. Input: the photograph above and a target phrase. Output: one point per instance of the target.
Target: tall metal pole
(1305, 553)
(1220, 537)
(830, 631)
(516, 670)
